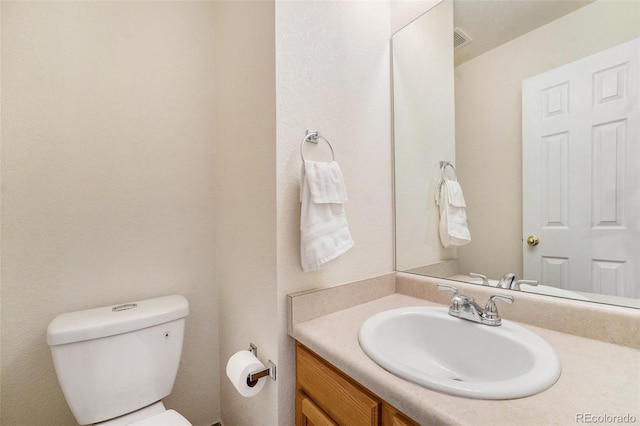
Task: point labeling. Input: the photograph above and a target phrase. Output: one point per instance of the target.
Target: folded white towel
(326, 183)
(454, 229)
(324, 232)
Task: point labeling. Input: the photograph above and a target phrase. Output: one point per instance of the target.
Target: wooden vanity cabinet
(325, 397)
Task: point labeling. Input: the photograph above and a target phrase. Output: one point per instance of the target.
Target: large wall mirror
(533, 108)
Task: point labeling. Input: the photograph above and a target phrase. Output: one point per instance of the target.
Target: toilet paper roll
(238, 368)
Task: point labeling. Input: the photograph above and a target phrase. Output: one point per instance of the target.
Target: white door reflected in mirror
(580, 127)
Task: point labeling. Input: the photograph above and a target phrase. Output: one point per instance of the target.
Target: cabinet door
(312, 415)
(393, 417)
(338, 396)
(398, 420)
(327, 397)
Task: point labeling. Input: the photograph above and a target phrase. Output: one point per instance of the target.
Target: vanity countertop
(599, 380)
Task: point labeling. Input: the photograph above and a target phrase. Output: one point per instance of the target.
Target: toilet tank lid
(116, 319)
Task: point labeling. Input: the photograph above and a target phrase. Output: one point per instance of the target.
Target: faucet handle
(516, 284)
(448, 287)
(456, 299)
(508, 299)
(485, 281)
(491, 311)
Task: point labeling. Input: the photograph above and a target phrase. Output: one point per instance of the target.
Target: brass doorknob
(532, 240)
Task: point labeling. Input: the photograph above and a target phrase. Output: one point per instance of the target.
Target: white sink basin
(427, 346)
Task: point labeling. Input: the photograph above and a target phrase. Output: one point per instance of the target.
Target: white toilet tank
(114, 360)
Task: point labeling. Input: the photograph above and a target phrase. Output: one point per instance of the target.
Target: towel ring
(444, 165)
(313, 137)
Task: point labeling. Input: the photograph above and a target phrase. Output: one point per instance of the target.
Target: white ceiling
(491, 23)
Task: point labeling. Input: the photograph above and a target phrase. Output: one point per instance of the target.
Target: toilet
(116, 364)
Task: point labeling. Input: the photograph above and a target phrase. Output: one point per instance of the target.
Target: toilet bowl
(115, 364)
(167, 418)
(153, 415)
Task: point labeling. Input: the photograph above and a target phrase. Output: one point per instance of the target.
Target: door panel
(581, 179)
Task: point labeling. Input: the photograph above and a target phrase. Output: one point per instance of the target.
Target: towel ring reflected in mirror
(314, 137)
(444, 165)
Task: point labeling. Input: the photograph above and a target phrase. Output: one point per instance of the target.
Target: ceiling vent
(460, 38)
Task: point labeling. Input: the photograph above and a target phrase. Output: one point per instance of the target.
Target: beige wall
(332, 62)
(156, 164)
(405, 11)
(245, 213)
(107, 176)
(424, 133)
(488, 124)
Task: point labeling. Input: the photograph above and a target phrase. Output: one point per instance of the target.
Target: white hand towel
(454, 229)
(326, 183)
(324, 232)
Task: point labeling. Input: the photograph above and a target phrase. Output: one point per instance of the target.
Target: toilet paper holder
(253, 377)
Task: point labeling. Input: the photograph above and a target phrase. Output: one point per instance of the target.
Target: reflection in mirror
(524, 174)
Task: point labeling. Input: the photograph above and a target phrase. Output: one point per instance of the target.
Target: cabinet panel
(325, 396)
(313, 415)
(341, 399)
(392, 417)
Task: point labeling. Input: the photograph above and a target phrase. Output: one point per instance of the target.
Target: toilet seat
(166, 418)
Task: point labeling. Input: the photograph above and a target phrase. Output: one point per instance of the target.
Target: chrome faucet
(466, 307)
(507, 280)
